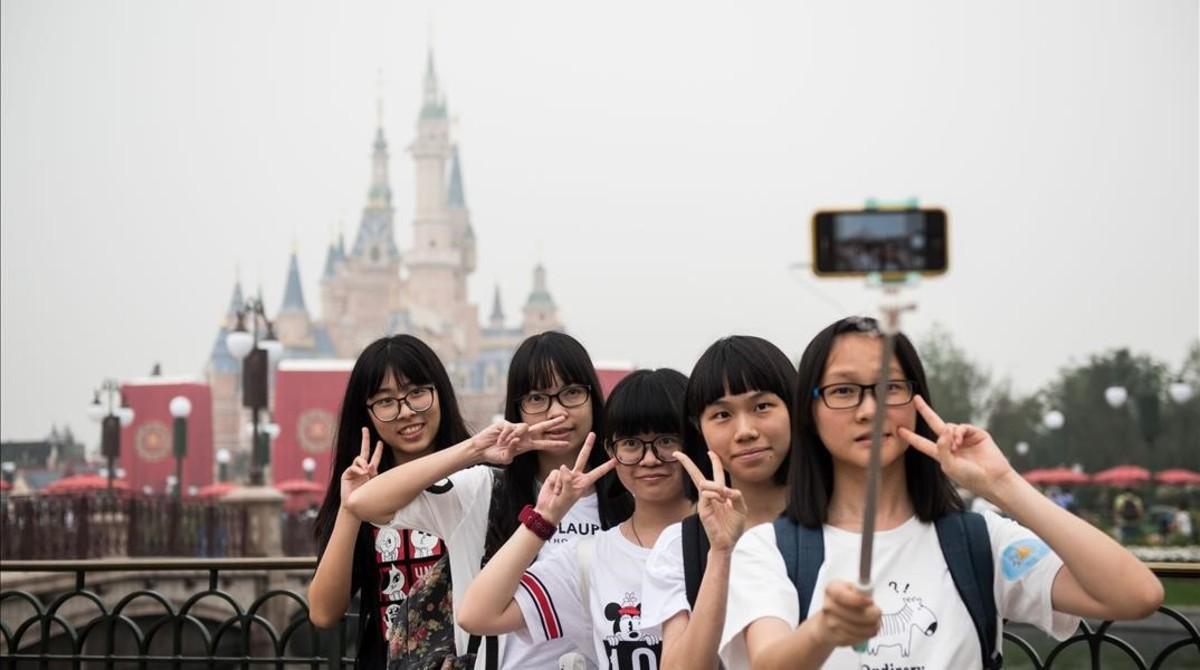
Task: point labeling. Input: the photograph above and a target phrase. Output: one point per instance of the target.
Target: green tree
(1015, 419)
(1098, 435)
(959, 386)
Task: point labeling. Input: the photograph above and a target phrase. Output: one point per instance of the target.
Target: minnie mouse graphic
(628, 647)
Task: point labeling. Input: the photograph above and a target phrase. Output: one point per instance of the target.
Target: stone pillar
(264, 519)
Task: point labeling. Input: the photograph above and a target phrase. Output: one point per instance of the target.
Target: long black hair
(408, 359)
(811, 473)
(535, 365)
(735, 365)
(649, 401)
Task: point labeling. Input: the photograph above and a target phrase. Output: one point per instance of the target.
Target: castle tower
(361, 289)
(436, 269)
(293, 325)
(541, 314)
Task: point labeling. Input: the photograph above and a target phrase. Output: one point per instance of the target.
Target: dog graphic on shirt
(896, 629)
(627, 638)
(387, 543)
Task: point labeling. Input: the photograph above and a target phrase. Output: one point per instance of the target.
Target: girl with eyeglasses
(944, 580)
(398, 398)
(737, 408)
(593, 596)
(553, 403)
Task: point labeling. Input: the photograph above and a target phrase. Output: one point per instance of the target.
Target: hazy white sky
(662, 159)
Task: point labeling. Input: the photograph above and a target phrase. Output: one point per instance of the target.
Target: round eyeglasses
(848, 396)
(572, 395)
(631, 450)
(418, 400)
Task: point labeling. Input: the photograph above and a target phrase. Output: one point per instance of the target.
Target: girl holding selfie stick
(1049, 567)
(553, 403)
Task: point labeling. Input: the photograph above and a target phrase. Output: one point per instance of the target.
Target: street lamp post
(223, 458)
(257, 357)
(111, 419)
(309, 464)
(180, 408)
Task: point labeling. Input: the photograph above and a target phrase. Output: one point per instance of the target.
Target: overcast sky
(662, 159)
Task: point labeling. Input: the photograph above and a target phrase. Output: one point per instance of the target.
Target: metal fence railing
(214, 627)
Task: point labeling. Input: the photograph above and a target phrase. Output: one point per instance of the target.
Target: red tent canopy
(1178, 477)
(1059, 476)
(4, 485)
(216, 490)
(83, 484)
(299, 486)
(1122, 475)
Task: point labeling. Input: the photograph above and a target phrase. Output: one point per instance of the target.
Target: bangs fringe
(646, 401)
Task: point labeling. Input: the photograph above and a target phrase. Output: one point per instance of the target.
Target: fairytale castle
(375, 288)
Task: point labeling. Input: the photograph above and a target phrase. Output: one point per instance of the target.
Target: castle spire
(497, 318)
(293, 294)
(381, 189)
(454, 194)
(432, 104)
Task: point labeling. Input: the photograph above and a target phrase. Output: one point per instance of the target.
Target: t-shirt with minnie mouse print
(551, 601)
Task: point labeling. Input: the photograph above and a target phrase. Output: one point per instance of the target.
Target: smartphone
(884, 241)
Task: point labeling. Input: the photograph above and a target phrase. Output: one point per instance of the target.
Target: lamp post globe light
(223, 458)
(309, 464)
(1116, 396)
(257, 357)
(1053, 419)
(1180, 391)
(112, 417)
(180, 408)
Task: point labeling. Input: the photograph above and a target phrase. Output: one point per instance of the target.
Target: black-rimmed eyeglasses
(572, 395)
(845, 395)
(418, 400)
(631, 450)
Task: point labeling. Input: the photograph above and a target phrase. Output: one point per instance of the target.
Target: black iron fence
(225, 613)
(107, 526)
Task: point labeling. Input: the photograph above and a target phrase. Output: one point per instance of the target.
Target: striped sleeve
(549, 599)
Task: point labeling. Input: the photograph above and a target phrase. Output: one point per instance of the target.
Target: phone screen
(884, 241)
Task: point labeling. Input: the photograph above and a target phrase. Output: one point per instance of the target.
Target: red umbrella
(299, 486)
(83, 484)
(1122, 475)
(216, 490)
(1059, 476)
(1178, 477)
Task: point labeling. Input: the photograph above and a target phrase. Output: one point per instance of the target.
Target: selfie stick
(889, 326)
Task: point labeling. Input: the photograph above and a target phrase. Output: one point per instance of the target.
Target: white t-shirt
(456, 510)
(925, 623)
(755, 562)
(552, 602)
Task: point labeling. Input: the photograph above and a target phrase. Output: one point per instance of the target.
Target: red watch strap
(536, 523)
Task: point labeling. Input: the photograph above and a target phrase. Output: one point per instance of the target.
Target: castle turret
(293, 324)
(541, 314)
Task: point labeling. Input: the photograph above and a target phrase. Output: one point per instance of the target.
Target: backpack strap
(803, 551)
(968, 553)
(694, 543)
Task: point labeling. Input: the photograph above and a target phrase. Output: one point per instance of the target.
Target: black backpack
(965, 544)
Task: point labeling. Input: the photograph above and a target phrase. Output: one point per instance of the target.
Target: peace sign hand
(967, 453)
(502, 441)
(364, 467)
(722, 509)
(563, 487)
